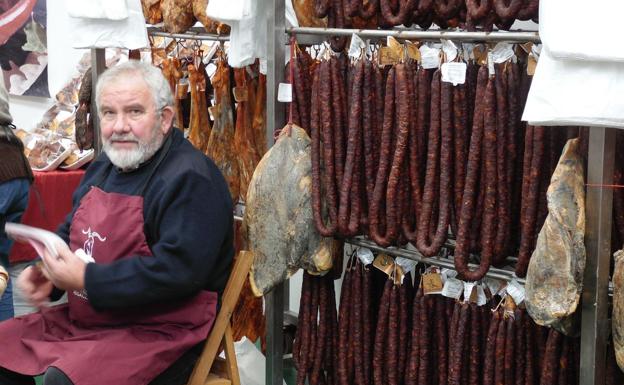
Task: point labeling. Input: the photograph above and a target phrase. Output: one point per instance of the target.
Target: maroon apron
(107, 347)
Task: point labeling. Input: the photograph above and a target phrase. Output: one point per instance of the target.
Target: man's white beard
(132, 158)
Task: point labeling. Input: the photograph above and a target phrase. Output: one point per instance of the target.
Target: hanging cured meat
(221, 143)
(151, 11)
(306, 15)
(200, 123)
(84, 118)
(248, 158)
(211, 26)
(177, 15)
(554, 277)
(278, 222)
(258, 125)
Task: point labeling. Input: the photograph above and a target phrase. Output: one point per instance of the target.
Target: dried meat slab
(278, 222)
(617, 323)
(554, 279)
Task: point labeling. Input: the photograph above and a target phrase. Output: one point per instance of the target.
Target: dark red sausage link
(528, 220)
(485, 91)
(315, 376)
(410, 218)
(404, 293)
(343, 328)
(499, 359)
(478, 9)
(351, 162)
(358, 325)
(336, 19)
(394, 18)
(503, 216)
(455, 364)
(460, 129)
(474, 369)
(392, 346)
(424, 351)
(508, 9)
(490, 356)
(509, 359)
(551, 358)
(441, 340)
(529, 10)
(520, 347)
(321, 8)
(381, 335)
(411, 372)
(367, 323)
(339, 125)
(443, 121)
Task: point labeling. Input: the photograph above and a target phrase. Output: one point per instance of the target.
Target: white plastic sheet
(129, 33)
(251, 363)
(574, 92)
(97, 9)
(581, 30)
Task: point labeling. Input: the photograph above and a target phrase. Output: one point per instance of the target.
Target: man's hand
(67, 271)
(35, 286)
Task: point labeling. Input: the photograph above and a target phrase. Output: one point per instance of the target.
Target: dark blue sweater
(188, 225)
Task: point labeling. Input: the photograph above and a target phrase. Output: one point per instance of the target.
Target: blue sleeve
(192, 221)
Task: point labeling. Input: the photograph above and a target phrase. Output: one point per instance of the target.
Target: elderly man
(156, 216)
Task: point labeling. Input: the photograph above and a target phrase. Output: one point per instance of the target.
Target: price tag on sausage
(516, 291)
(432, 283)
(447, 274)
(365, 255)
(430, 57)
(284, 93)
(412, 51)
(449, 49)
(490, 63)
(454, 72)
(384, 263)
(453, 288)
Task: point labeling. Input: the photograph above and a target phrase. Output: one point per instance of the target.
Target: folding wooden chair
(210, 369)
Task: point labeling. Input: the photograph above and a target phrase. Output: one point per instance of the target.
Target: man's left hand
(67, 271)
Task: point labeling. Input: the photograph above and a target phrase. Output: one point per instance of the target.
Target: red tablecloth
(49, 202)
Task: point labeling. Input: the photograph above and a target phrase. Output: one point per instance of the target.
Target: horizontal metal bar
(496, 36)
(502, 274)
(193, 33)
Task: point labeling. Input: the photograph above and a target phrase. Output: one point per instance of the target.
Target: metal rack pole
(520, 36)
(595, 323)
(276, 40)
(194, 34)
(98, 65)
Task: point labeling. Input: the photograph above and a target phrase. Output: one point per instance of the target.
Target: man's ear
(166, 119)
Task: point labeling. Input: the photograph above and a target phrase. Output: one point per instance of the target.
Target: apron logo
(88, 249)
(89, 243)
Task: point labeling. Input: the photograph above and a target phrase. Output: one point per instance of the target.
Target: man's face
(132, 126)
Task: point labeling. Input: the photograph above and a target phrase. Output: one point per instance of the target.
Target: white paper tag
(356, 46)
(211, 69)
(447, 274)
(453, 288)
(516, 291)
(536, 50)
(263, 66)
(490, 60)
(467, 49)
(430, 57)
(495, 286)
(450, 50)
(408, 265)
(454, 72)
(481, 297)
(284, 93)
(365, 256)
(468, 289)
(502, 52)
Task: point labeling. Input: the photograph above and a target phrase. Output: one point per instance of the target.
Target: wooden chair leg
(230, 356)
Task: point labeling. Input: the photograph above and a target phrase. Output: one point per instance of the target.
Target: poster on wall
(23, 47)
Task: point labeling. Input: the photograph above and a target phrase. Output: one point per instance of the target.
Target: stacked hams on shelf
(178, 16)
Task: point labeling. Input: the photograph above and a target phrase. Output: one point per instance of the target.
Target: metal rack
(594, 306)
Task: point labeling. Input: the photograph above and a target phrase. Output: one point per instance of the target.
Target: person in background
(155, 215)
(15, 180)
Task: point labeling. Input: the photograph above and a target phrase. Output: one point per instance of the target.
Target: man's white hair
(153, 77)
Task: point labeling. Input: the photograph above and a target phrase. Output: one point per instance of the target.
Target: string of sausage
(410, 217)
(502, 166)
(411, 372)
(385, 165)
(483, 117)
(460, 129)
(320, 126)
(441, 95)
(530, 188)
(381, 335)
(343, 328)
